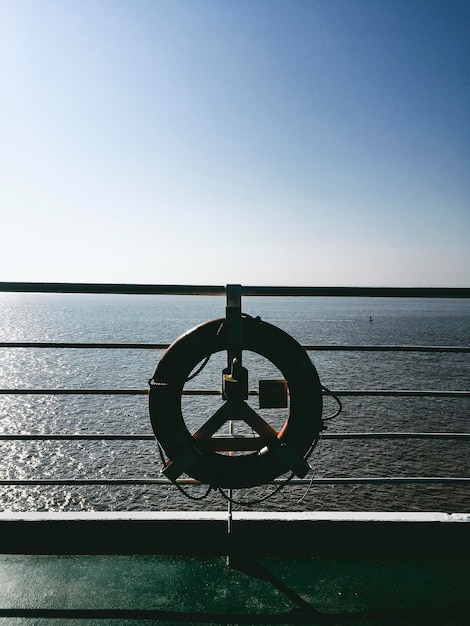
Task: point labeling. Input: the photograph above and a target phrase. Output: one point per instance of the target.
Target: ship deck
(167, 568)
(129, 589)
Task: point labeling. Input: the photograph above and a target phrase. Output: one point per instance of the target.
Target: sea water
(161, 319)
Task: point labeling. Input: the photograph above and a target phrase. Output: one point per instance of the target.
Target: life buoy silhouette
(275, 452)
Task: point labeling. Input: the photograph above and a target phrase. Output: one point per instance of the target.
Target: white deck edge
(220, 516)
(355, 516)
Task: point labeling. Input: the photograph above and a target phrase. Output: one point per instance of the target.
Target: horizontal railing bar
(85, 346)
(388, 292)
(209, 392)
(378, 480)
(359, 348)
(126, 288)
(402, 393)
(164, 346)
(113, 288)
(84, 392)
(218, 290)
(400, 435)
(79, 482)
(150, 437)
(75, 437)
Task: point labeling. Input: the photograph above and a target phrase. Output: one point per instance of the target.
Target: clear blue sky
(297, 142)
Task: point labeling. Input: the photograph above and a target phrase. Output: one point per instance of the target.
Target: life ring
(194, 457)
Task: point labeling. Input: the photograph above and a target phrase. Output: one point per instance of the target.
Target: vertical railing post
(233, 316)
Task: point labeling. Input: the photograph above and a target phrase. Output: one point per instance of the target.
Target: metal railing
(84, 288)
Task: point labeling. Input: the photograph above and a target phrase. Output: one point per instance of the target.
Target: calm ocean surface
(161, 319)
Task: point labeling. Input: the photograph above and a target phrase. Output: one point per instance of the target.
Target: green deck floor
(111, 590)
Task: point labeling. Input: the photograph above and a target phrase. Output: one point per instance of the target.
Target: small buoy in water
(370, 318)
